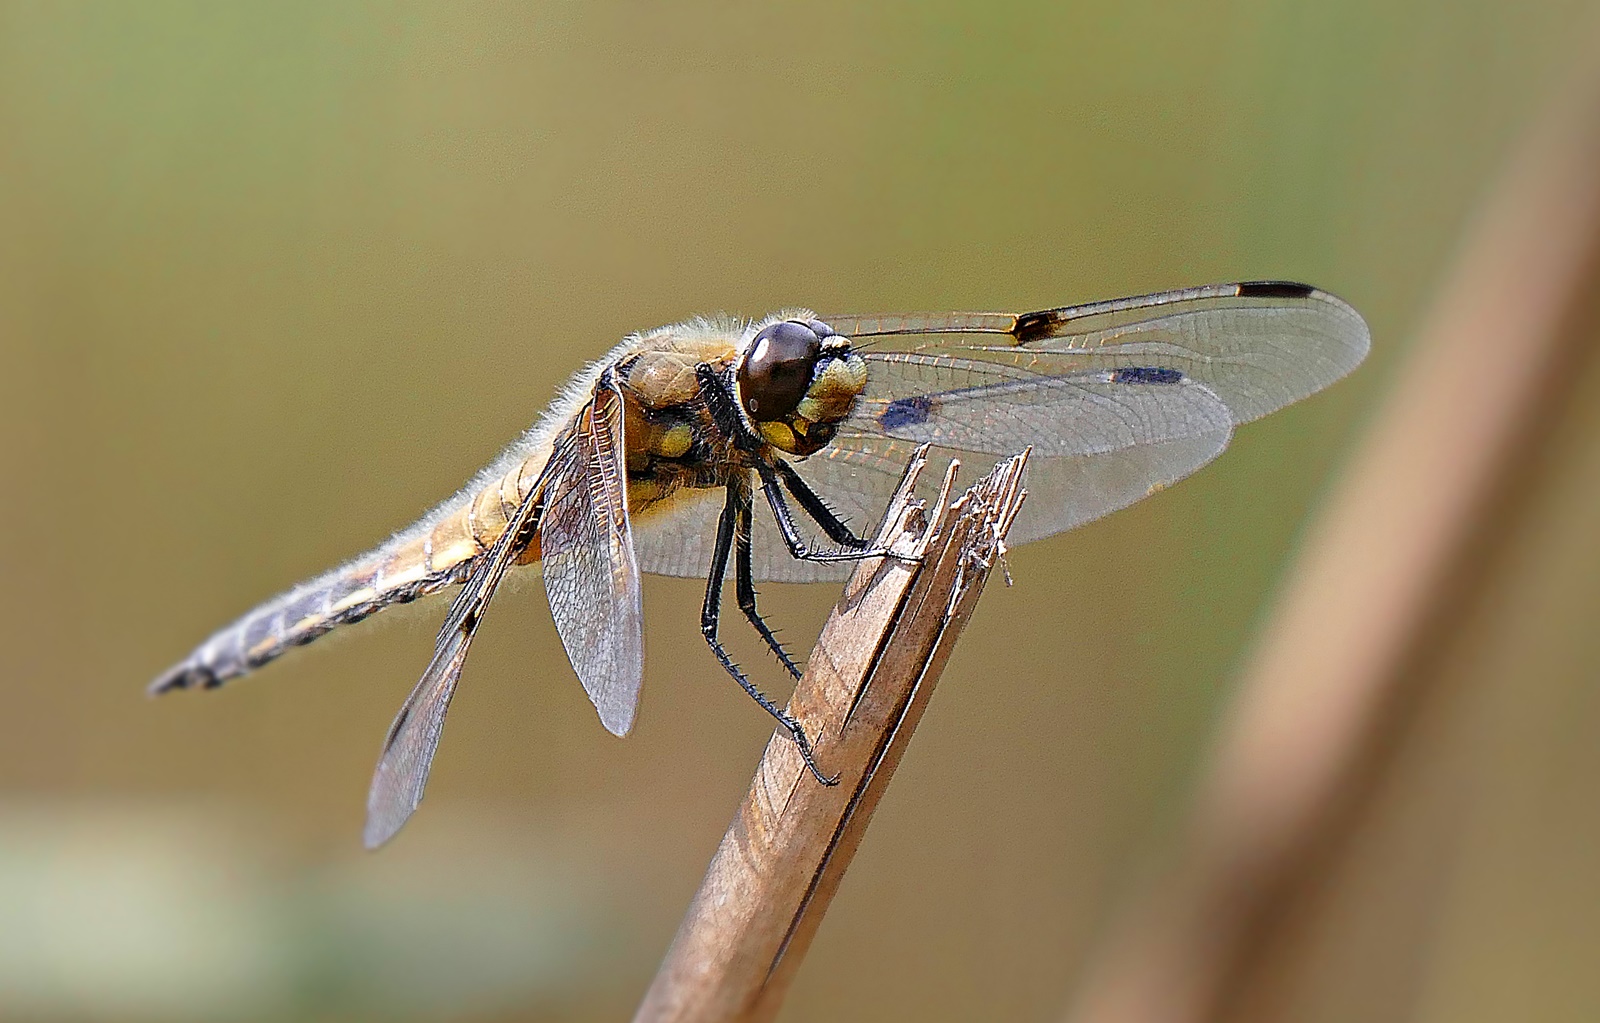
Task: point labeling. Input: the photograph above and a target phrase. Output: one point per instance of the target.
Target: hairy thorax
(670, 437)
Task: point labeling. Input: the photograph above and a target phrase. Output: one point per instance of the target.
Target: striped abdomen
(437, 551)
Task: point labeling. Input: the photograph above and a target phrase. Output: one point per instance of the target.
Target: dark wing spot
(1146, 375)
(1274, 289)
(907, 412)
(1036, 326)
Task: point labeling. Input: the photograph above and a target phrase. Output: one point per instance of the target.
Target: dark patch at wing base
(906, 412)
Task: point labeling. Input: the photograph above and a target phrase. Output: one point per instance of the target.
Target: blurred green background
(275, 277)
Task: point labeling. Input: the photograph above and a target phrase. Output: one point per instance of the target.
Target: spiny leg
(817, 509)
(772, 489)
(710, 612)
(744, 579)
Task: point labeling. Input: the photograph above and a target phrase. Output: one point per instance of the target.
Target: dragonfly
(654, 458)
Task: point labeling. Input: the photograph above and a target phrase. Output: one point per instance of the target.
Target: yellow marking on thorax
(647, 436)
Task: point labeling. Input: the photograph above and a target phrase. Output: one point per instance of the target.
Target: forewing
(1101, 439)
(591, 574)
(969, 405)
(408, 749)
(1257, 346)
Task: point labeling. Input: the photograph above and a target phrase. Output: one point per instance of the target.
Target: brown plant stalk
(1323, 700)
(864, 690)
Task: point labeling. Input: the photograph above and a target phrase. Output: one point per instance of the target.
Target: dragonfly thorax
(797, 381)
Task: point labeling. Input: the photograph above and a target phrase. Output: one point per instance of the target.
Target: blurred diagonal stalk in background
(1391, 574)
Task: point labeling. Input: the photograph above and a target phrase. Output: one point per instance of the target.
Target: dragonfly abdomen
(436, 552)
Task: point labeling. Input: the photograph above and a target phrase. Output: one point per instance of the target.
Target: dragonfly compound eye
(777, 370)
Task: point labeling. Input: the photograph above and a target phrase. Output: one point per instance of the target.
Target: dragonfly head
(797, 380)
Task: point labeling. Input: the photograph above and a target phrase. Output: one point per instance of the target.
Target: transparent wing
(413, 738)
(997, 409)
(408, 750)
(1101, 441)
(857, 475)
(590, 572)
(1258, 346)
(675, 536)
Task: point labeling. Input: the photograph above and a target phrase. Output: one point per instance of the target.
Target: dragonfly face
(797, 381)
(652, 458)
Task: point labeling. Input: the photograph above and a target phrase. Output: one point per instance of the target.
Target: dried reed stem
(864, 690)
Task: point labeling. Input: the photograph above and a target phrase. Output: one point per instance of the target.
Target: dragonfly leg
(745, 584)
(710, 612)
(772, 489)
(817, 509)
